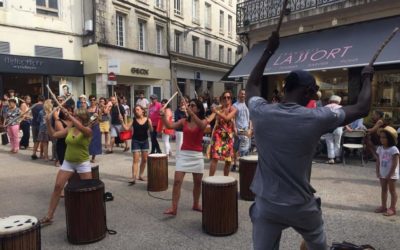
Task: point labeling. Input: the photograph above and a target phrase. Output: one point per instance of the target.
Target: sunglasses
(227, 97)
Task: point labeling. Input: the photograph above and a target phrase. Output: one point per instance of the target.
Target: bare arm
(167, 123)
(211, 117)
(363, 105)
(127, 126)
(254, 82)
(376, 126)
(55, 134)
(229, 116)
(86, 131)
(395, 160)
(202, 124)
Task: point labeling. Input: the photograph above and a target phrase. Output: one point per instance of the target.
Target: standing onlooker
(11, 95)
(154, 114)
(180, 113)
(141, 126)
(95, 143)
(243, 129)
(82, 102)
(387, 169)
(43, 136)
(333, 139)
(59, 123)
(142, 101)
(104, 118)
(190, 159)
(25, 124)
(13, 128)
(124, 103)
(222, 136)
(372, 138)
(117, 113)
(166, 132)
(4, 108)
(35, 126)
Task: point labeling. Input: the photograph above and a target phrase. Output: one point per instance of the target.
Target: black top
(115, 114)
(140, 131)
(35, 115)
(179, 114)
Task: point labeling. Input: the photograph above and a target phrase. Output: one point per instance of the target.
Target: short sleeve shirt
(154, 113)
(142, 102)
(286, 136)
(385, 161)
(242, 118)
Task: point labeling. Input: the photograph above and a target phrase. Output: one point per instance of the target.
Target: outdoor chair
(353, 140)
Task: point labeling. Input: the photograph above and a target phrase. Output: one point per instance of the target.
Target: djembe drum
(19, 232)
(220, 205)
(95, 175)
(157, 172)
(247, 170)
(85, 211)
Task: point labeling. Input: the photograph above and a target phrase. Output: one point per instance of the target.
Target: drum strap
(109, 231)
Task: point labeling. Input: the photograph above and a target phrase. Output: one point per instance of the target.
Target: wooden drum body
(95, 175)
(157, 172)
(220, 205)
(247, 170)
(20, 232)
(85, 211)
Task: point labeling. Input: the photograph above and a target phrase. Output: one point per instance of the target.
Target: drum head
(219, 179)
(16, 223)
(249, 158)
(157, 155)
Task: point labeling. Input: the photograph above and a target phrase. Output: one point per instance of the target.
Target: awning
(341, 47)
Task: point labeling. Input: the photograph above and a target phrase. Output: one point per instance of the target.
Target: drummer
(190, 159)
(76, 158)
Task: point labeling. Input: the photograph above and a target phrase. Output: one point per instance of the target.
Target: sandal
(390, 212)
(132, 182)
(142, 178)
(379, 210)
(170, 211)
(45, 221)
(197, 208)
(126, 149)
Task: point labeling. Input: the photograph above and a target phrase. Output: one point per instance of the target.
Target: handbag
(125, 135)
(4, 139)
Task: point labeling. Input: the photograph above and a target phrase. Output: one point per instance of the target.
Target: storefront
(135, 72)
(335, 57)
(29, 75)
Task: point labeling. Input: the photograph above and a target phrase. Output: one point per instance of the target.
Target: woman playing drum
(76, 156)
(190, 158)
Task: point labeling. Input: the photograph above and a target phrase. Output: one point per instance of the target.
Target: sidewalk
(349, 194)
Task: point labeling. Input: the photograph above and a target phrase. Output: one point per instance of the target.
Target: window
(1, 3)
(120, 29)
(160, 35)
(221, 22)
(195, 11)
(229, 56)
(178, 41)
(160, 4)
(44, 51)
(221, 53)
(47, 7)
(4, 48)
(195, 43)
(207, 49)
(208, 16)
(229, 26)
(178, 7)
(142, 35)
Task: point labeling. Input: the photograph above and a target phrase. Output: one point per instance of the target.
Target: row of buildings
(124, 46)
(333, 39)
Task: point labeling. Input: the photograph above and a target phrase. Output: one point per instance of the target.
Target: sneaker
(233, 169)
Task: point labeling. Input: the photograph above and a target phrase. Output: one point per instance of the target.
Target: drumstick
(388, 39)
(169, 100)
(180, 94)
(53, 95)
(62, 104)
(283, 12)
(20, 99)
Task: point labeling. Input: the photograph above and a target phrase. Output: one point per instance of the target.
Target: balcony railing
(253, 11)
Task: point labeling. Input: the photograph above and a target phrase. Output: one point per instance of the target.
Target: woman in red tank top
(190, 158)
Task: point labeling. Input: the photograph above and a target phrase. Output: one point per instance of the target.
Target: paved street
(349, 194)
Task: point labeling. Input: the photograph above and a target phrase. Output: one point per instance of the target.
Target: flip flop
(142, 179)
(198, 209)
(379, 210)
(45, 221)
(390, 212)
(170, 211)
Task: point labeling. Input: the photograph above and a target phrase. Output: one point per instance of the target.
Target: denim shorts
(140, 146)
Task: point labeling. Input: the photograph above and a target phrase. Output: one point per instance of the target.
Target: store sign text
(315, 55)
(27, 64)
(140, 71)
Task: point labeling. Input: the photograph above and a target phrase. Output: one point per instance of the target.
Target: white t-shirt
(142, 102)
(385, 161)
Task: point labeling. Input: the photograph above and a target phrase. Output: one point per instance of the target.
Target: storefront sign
(139, 71)
(39, 65)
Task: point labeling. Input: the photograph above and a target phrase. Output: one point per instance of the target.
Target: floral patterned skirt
(222, 145)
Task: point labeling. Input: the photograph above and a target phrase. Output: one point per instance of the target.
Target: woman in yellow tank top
(77, 139)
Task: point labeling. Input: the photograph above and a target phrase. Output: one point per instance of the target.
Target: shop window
(44, 51)
(4, 48)
(157, 91)
(47, 7)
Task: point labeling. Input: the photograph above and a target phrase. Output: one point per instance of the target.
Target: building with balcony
(40, 43)
(333, 39)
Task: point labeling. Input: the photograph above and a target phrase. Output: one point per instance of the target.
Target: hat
(391, 131)
(83, 96)
(153, 96)
(335, 98)
(301, 77)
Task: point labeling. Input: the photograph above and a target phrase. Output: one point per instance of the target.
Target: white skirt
(190, 162)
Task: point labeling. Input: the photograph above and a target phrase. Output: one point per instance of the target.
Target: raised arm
(167, 123)
(363, 105)
(202, 124)
(86, 131)
(62, 133)
(227, 117)
(253, 86)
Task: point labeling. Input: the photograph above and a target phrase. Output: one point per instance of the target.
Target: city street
(349, 195)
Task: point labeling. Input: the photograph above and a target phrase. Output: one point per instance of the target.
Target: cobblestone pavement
(349, 195)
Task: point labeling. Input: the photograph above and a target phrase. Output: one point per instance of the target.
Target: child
(387, 169)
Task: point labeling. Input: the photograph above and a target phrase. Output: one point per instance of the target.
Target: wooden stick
(169, 100)
(388, 39)
(53, 95)
(18, 117)
(285, 2)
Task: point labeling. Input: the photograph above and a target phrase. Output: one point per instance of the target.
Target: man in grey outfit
(286, 136)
